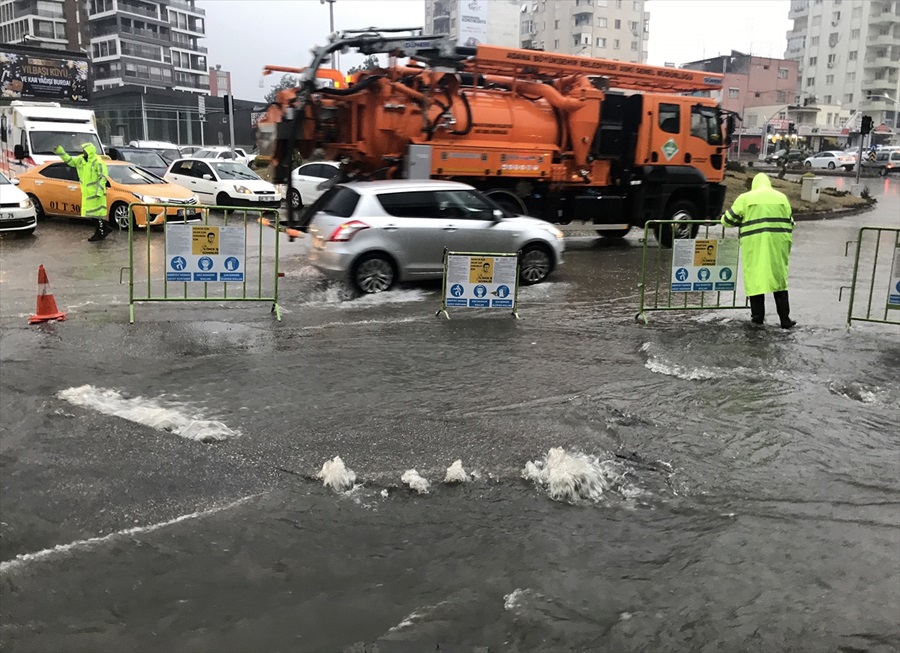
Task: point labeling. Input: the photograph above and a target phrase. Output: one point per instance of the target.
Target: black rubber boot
(784, 309)
(757, 308)
(100, 233)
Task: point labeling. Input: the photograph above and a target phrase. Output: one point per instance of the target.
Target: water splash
(415, 482)
(148, 412)
(854, 391)
(456, 473)
(573, 477)
(336, 475)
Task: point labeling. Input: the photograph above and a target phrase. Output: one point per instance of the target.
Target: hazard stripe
(767, 220)
(44, 289)
(766, 230)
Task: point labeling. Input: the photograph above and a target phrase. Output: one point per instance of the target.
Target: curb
(833, 214)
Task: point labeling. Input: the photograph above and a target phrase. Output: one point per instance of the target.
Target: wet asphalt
(760, 511)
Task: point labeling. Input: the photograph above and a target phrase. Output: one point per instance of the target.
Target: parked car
(224, 183)
(830, 159)
(306, 180)
(149, 160)
(223, 154)
(793, 156)
(54, 189)
(189, 150)
(16, 208)
(168, 151)
(376, 233)
(887, 161)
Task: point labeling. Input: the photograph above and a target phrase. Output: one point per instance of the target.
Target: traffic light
(866, 125)
(791, 130)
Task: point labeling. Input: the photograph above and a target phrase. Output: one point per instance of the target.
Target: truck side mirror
(19, 152)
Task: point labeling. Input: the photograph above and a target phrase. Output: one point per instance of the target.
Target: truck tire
(678, 210)
(508, 201)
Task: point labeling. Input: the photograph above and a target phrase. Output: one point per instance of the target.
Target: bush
(867, 195)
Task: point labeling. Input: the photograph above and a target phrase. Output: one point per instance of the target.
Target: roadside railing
(877, 282)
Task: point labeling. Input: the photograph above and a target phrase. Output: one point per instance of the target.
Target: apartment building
(608, 29)
(152, 43)
(848, 53)
(470, 22)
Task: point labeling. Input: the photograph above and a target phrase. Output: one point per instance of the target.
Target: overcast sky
(244, 35)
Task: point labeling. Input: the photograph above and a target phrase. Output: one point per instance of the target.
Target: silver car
(376, 233)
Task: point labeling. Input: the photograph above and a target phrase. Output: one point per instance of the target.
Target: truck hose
(465, 132)
(363, 85)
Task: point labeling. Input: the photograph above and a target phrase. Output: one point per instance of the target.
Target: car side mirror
(19, 152)
(14, 182)
(497, 215)
(207, 177)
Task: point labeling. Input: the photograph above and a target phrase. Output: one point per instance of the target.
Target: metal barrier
(700, 272)
(195, 251)
(883, 274)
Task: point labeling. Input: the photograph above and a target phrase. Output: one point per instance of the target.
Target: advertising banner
(61, 76)
(472, 18)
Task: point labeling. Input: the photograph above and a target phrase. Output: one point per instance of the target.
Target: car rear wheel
(118, 215)
(374, 273)
(678, 211)
(831, 165)
(535, 264)
(296, 200)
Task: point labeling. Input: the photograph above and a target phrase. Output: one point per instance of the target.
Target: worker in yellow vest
(93, 175)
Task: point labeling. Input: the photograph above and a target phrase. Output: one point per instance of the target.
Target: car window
(895, 156)
(417, 204)
(327, 172)
(183, 168)
(60, 171)
(132, 175)
(200, 168)
(339, 201)
(308, 170)
(464, 204)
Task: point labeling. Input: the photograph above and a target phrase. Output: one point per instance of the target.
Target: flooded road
(690, 484)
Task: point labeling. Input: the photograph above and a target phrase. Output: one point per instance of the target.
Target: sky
(244, 35)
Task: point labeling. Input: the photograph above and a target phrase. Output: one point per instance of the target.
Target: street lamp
(889, 99)
(334, 61)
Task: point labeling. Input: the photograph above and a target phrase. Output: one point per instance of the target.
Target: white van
(30, 131)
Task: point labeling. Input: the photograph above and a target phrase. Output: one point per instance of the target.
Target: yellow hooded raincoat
(92, 174)
(766, 225)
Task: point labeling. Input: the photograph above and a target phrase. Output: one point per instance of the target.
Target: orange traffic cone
(46, 306)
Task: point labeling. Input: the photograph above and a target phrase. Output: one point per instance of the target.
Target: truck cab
(30, 131)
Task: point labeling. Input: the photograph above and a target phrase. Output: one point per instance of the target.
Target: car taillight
(346, 231)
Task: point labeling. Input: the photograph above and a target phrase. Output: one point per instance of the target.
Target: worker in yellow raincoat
(763, 216)
(93, 175)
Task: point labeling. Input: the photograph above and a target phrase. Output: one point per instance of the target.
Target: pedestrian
(763, 217)
(93, 175)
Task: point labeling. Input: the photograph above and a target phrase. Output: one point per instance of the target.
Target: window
(832, 59)
(633, 26)
(852, 55)
(705, 124)
(617, 24)
(60, 171)
(615, 44)
(670, 118)
(556, 44)
(827, 99)
(782, 73)
(856, 13)
(835, 16)
(812, 61)
(602, 22)
(734, 93)
(851, 77)
(816, 21)
(810, 81)
(814, 41)
(854, 33)
(338, 201)
(634, 45)
(829, 80)
(752, 119)
(636, 5)
(418, 204)
(555, 24)
(601, 43)
(848, 98)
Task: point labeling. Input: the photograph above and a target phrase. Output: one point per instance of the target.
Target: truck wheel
(509, 202)
(535, 265)
(374, 273)
(680, 210)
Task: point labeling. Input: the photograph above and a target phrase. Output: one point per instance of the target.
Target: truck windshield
(705, 124)
(43, 143)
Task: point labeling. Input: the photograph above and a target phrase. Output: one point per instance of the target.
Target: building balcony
(883, 40)
(882, 17)
(879, 104)
(134, 10)
(798, 8)
(193, 31)
(185, 5)
(881, 62)
(884, 86)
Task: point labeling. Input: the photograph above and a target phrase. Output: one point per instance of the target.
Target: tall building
(470, 22)
(849, 55)
(608, 29)
(152, 43)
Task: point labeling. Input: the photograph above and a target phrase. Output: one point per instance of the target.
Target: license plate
(6, 216)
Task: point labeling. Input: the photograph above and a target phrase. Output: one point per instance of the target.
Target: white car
(168, 151)
(306, 180)
(831, 159)
(223, 183)
(16, 210)
(223, 154)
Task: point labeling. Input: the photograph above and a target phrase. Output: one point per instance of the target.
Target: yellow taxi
(54, 189)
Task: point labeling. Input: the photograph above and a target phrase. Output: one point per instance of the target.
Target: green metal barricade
(203, 260)
(878, 282)
(696, 274)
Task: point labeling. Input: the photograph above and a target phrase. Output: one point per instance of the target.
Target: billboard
(473, 22)
(36, 74)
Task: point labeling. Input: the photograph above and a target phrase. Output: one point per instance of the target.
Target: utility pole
(335, 55)
(229, 109)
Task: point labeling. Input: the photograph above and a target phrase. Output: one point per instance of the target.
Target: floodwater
(689, 484)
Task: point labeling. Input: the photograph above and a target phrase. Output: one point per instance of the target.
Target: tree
(287, 81)
(369, 63)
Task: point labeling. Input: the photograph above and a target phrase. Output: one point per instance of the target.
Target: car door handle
(38, 183)
(450, 228)
(73, 187)
(391, 227)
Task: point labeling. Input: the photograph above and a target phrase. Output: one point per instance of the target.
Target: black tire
(38, 207)
(296, 200)
(848, 168)
(223, 199)
(613, 234)
(831, 165)
(508, 201)
(118, 216)
(883, 172)
(27, 232)
(374, 273)
(678, 210)
(535, 264)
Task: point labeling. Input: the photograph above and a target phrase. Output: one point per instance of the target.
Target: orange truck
(569, 139)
